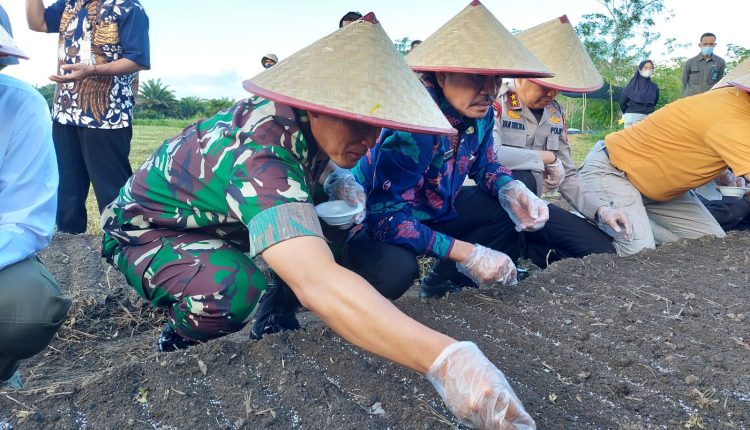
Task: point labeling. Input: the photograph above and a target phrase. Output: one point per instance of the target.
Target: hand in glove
(615, 223)
(341, 185)
(554, 175)
(475, 391)
(528, 212)
(728, 179)
(486, 266)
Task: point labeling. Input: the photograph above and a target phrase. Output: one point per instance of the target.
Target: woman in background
(640, 95)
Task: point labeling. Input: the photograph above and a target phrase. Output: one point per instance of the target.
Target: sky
(207, 48)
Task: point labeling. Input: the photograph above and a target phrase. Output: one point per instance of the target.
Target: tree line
(620, 37)
(155, 100)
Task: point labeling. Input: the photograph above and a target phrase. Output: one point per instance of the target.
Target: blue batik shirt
(98, 32)
(412, 180)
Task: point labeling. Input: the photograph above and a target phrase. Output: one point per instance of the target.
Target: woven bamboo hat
(739, 77)
(354, 73)
(557, 45)
(8, 46)
(474, 41)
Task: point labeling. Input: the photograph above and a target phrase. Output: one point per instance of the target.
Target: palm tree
(189, 107)
(157, 97)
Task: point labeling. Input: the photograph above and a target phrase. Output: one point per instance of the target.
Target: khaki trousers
(684, 217)
(31, 311)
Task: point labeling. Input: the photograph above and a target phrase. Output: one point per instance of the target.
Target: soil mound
(657, 340)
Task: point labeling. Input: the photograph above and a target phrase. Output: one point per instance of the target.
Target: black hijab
(641, 89)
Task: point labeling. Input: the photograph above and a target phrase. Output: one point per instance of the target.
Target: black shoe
(435, 286)
(170, 341)
(277, 310)
(521, 274)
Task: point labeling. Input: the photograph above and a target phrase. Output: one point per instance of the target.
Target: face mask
(707, 50)
(646, 73)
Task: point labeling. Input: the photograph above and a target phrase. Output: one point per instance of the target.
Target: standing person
(32, 308)
(243, 182)
(349, 18)
(649, 169)
(269, 60)
(531, 139)
(102, 46)
(640, 96)
(417, 204)
(704, 70)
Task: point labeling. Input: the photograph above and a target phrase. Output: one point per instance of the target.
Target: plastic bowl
(337, 212)
(733, 191)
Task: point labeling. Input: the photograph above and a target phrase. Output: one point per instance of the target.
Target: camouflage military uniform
(184, 228)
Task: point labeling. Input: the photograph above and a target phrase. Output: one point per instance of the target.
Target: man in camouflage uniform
(188, 210)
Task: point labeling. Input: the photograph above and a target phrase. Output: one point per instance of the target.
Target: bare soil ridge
(657, 340)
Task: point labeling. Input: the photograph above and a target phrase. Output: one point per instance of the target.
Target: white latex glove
(554, 174)
(341, 185)
(615, 223)
(486, 266)
(728, 179)
(476, 391)
(528, 212)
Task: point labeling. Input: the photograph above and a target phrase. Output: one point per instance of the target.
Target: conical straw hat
(8, 46)
(354, 73)
(739, 77)
(474, 41)
(557, 45)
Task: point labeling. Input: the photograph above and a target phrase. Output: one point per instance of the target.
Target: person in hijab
(640, 95)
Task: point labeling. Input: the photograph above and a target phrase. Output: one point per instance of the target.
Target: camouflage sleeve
(269, 193)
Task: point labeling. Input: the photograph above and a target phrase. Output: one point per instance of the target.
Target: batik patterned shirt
(412, 180)
(98, 32)
(244, 176)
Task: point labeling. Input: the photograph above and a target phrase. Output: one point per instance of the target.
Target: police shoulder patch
(513, 101)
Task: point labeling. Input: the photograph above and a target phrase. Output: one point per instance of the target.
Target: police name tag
(448, 154)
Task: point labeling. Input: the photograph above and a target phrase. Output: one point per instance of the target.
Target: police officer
(531, 138)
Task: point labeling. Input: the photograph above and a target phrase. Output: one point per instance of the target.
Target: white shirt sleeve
(28, 172)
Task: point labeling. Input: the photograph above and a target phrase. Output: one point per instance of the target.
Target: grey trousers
(684, 217)
(31, 310)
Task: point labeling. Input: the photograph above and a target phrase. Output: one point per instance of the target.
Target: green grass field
(147, 137)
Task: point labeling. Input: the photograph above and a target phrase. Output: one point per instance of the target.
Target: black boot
(521, 273)
(277, 310)
(170, 341)
(435, 286)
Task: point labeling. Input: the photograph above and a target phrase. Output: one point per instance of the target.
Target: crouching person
(531, 140)
(31, 305)
(186, 225)
(648, 170)
(417, 202)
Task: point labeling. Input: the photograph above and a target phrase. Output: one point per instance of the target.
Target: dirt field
(658, 340)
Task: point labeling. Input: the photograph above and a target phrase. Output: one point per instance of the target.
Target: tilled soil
(657, 340)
